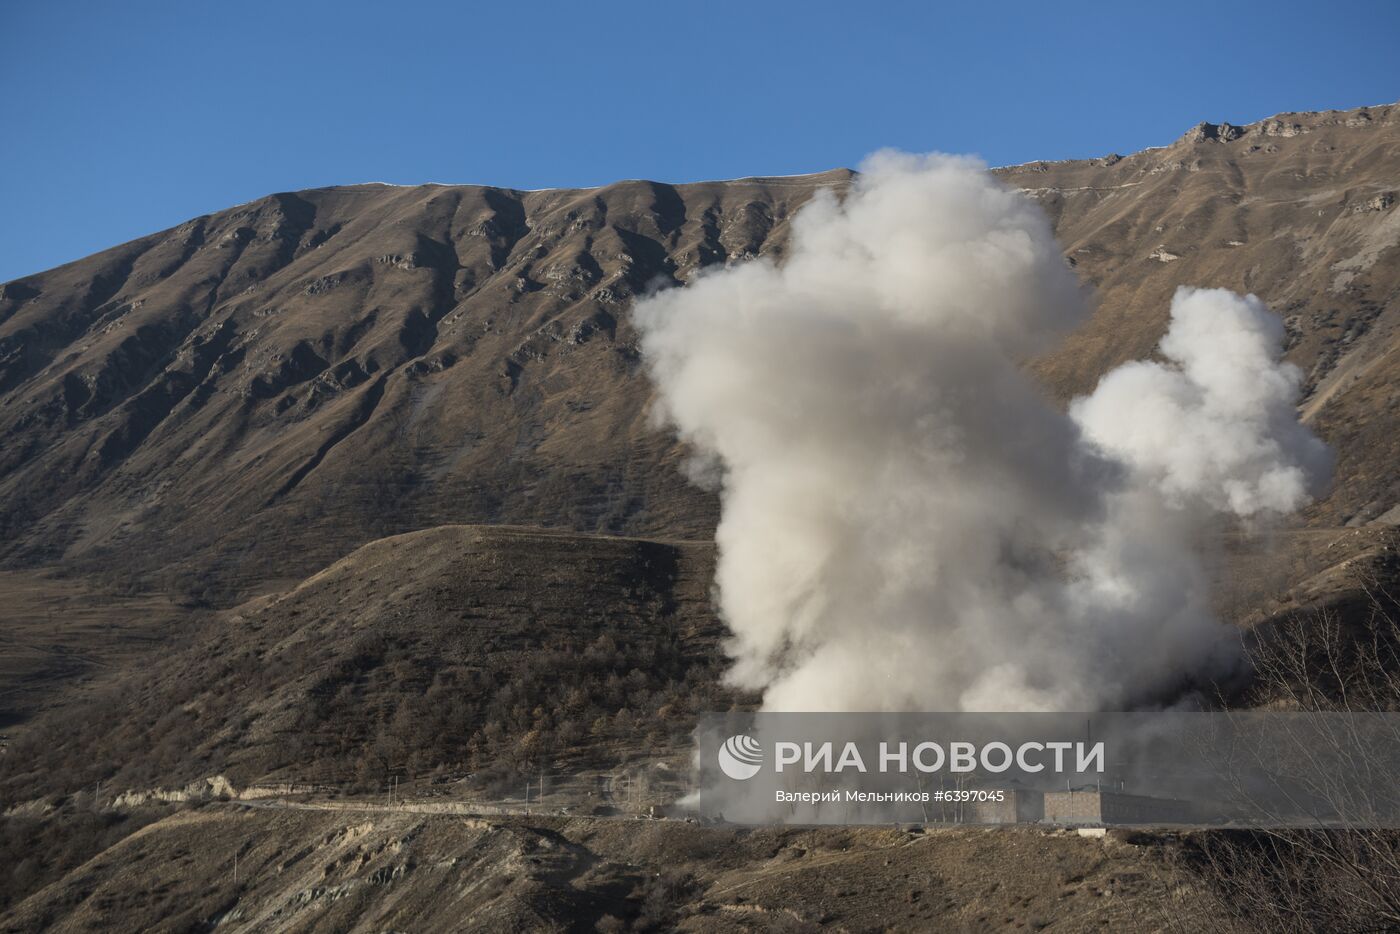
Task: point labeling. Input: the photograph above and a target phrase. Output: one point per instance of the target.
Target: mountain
(252, 394)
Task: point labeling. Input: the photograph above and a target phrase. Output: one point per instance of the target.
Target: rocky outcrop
(206, 789)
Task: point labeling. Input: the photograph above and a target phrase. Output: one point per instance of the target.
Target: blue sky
(124, 118)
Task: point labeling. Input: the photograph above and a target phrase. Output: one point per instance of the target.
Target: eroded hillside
(258, 391)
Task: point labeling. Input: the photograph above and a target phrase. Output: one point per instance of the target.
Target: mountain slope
(313, 370)
(379, 869)
(490, 650)
(1301, 209)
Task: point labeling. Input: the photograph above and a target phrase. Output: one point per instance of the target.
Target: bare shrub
(1344, 658)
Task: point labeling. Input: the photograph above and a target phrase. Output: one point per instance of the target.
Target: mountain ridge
(1204, 129)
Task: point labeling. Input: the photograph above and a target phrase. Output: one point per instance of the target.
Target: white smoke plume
(907, 523)
(1219, 422)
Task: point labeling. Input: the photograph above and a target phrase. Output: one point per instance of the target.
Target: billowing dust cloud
(908, 522)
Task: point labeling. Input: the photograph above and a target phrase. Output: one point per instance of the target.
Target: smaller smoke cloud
(1218, 422)
(907, 523)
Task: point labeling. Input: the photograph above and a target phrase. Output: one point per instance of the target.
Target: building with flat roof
(1092, 806)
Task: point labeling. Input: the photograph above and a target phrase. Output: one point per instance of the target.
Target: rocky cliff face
(256, 392)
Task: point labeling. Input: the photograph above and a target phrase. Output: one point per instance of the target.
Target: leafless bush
(1340, 659)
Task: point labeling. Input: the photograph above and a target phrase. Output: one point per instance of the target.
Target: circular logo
(740, 757)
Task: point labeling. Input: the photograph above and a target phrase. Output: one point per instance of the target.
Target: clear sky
(119, 119)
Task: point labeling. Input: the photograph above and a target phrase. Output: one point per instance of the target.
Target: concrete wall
(1018, 806)
(1093, 807)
